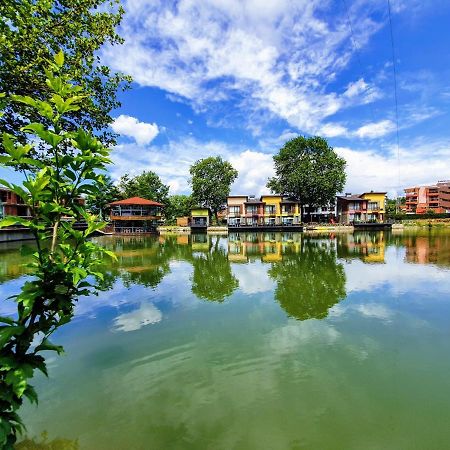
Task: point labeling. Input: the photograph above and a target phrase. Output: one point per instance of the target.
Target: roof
(255, 201)
(351, 198)
(136, 201)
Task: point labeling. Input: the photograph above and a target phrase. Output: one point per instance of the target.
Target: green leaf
(14, 220)
(47, 136)
(59, 58)
(31, 394)
(47, 345)
(7, 320)
(7, 332)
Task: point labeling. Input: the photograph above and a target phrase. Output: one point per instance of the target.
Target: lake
(253, 341)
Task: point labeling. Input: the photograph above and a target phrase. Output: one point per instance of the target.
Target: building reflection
(309, 279)
(267, 247)
(369, 247)
(427, 249)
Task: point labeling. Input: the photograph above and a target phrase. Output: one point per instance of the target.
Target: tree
(211, 182)
(31, 30)
(146, 185)
(98, 204)
(63, 257)
(178, 206)
(310, 170)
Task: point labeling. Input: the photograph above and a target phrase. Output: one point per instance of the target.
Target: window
(270, 209)
(234, 210)
(289, 209)
(252, 209)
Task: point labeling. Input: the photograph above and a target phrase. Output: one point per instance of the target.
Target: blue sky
(238, 78)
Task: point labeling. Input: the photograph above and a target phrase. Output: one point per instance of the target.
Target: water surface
(254, 341)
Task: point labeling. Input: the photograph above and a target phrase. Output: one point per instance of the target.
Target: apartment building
(268, 210)
(421, 199)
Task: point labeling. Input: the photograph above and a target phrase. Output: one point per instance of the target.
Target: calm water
(254, 341)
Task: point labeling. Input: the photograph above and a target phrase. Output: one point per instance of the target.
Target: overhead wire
(394, 67)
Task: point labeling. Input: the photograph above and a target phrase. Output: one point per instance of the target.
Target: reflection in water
(369, 247)
(44, 444)
(212, 278)
(134, 320)
(244, 373)
(309, 281)
(428, 249)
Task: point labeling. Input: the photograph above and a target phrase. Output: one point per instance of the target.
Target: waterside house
(366, 207)
(200, 218)
(265, 212)
(135, 215)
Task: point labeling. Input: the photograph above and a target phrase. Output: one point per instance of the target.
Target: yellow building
(376, 207)
(279, 210)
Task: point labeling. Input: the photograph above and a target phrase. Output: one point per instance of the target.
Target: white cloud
(278, 55)
(253, 278)
(332, 130)
(172, 161)
(375, 129)
(368, 169)
(143, 133)
(147, 314)
(254, 170)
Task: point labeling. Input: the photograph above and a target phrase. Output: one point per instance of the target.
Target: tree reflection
(213, 279)
(309, 282)
(44, 444)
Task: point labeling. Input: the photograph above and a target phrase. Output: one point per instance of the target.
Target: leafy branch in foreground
(65, 263)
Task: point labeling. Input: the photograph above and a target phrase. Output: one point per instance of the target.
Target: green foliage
(98, 204)
(309, 283)
(427, 215)
(391, 204)
(178, 206)
(213, 279)
(211, 180)
(310, 170)
(64, 263)
(146, 185)
(31, 30)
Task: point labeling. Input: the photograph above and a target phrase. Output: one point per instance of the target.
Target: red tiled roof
(136, 201)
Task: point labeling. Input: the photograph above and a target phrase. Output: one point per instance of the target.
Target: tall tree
(146, 185)
(98, 204)
(211, 180)
(310, 170)
(178, 206)
(31, 31)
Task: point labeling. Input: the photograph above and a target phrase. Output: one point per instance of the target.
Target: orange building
(421, 199)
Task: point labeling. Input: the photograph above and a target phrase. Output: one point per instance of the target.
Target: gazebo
(135, 215)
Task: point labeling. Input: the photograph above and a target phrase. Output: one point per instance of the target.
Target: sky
(238, 78)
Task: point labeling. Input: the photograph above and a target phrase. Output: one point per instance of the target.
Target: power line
(395, 93)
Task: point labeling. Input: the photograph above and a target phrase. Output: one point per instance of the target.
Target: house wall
(379, 212)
